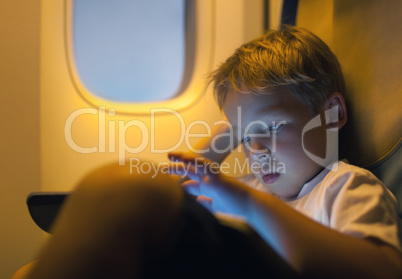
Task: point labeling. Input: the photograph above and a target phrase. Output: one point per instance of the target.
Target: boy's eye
(275, 127)
(245, 140)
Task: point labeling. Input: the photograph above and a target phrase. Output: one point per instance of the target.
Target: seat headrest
(365, 36)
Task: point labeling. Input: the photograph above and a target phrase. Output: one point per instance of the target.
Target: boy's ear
(336, 100)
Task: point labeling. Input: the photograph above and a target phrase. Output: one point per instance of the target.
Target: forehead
(278, 102)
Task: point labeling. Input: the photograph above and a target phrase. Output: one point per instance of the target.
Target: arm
(313, 249)
(310, 248)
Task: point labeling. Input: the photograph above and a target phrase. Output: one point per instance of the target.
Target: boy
(325, 218)
(270, 89)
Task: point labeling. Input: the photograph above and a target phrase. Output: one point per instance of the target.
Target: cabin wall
(20, 165)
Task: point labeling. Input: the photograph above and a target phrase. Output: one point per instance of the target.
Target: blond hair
(292, 57)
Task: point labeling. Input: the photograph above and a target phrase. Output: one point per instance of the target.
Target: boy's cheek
(315, 141)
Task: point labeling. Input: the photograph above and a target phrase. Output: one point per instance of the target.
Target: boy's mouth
(270, 178)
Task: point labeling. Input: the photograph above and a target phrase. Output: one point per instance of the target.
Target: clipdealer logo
(147, 133)
(118, 129)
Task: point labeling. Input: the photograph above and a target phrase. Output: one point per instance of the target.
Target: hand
(215, 191)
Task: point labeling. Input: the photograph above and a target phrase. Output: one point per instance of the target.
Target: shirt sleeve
(364, 207)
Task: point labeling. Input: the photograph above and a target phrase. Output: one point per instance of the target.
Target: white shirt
(348, 199)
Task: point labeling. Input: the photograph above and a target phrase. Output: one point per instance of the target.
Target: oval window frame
(199, 59)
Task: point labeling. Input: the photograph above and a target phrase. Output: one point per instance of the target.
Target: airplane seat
(364, 35)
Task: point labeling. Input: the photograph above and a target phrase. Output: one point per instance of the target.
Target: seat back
(365, 36)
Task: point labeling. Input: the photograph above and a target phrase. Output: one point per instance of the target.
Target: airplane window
(130, 50)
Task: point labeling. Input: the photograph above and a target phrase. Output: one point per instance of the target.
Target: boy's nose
(258, 152)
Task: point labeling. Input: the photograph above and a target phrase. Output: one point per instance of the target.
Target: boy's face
(270, 128)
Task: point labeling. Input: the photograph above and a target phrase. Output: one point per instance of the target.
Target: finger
(186, 158)
(205, 202)
(202, 165)
(175, 156)
(190, 183)
(194, 160)
(204, 199)
(179, 169)
(185, 171)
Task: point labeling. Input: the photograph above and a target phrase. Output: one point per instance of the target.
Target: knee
(118, 183)
(112, 217)
(23, 272)
(115, 196)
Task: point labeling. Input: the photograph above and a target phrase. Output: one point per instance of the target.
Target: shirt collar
(309, 186)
